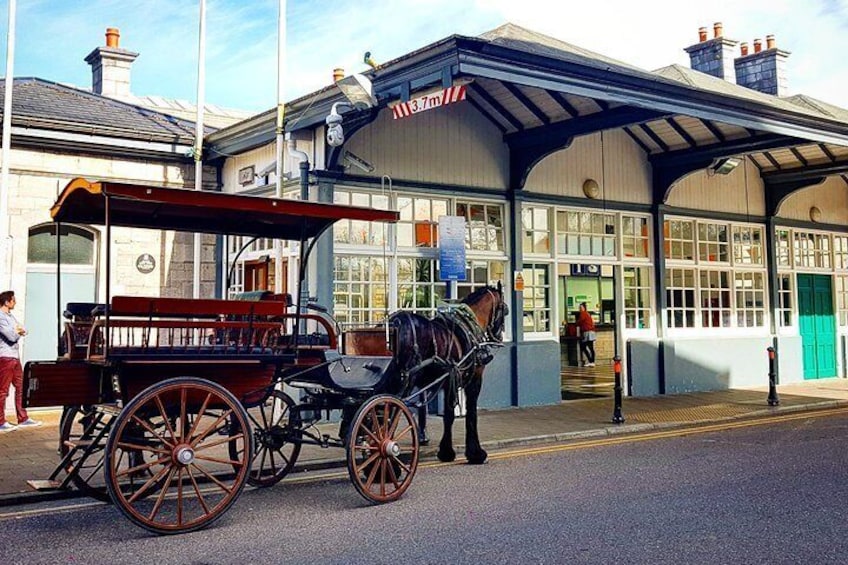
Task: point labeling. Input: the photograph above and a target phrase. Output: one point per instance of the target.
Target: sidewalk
(31, 453)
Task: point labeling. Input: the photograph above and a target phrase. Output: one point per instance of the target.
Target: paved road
(771, 493)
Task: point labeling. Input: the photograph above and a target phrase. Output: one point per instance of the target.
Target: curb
(428, 453)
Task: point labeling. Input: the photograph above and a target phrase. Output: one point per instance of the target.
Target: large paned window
(812, 250)
(537, 298)
(77, 245)
(419, 220)
(359, 289)
(480, 272)
(419, 288)
(585, 233)
(729, 277)
(635, 236)
(484, 223)
(840, 252)
(637, 297)
(785, 299)
(842, 299)
(535, 230)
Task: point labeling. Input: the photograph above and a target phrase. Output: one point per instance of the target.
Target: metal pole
(279, 284)
(198, 140)
(773, 399)
(617, 418)
(5, 232)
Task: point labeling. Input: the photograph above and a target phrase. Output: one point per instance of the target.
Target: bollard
(617, 418)
(773, 399)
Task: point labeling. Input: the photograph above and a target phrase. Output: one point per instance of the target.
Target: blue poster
(451, 248)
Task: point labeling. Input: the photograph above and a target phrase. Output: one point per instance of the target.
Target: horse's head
(490, 307)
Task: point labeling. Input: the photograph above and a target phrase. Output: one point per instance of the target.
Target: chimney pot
(338, 74)
(758, 45)
(744, 48)
(702, 34)
(113, 36)
(769, 42)
(718, 29)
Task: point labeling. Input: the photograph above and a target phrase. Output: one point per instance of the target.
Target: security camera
(335, 133)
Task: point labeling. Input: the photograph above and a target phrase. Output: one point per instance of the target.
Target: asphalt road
(771, 493)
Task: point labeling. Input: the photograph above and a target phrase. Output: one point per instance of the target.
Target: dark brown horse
(452, 343)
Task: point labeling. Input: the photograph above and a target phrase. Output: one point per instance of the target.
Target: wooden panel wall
(621, 169)
(721, 193)
(450, 145)
(831, 197)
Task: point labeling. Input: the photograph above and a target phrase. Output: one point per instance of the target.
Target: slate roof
(43, 104)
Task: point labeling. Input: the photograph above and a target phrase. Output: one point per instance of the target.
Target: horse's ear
(500, 287)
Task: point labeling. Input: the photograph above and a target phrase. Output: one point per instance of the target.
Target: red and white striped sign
(429, 101)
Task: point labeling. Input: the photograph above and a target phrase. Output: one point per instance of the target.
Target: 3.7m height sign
(429, 101)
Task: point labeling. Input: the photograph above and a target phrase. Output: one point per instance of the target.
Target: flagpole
(279, 130)
(5, 232)
(198, 139)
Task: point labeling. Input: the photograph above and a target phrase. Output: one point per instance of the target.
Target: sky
(53, 38)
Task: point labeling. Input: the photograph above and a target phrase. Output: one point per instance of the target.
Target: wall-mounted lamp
(360, 96)
(358, 162)
(815, 214)
(723, 166)
(591, 188)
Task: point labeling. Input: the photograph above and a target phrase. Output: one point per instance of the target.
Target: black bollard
(617, 418)
(773, 399)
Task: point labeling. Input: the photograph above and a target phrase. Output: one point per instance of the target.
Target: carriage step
(78, 443)
(41, 484)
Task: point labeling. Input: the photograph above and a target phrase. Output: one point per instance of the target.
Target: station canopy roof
(141, 206)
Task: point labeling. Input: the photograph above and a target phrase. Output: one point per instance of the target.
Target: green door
(818, 326)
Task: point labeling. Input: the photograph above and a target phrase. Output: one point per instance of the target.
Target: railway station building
(699, 211)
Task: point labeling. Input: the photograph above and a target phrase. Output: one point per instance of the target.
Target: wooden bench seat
(164, 307)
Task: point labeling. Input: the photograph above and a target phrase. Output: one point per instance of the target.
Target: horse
(458, 343)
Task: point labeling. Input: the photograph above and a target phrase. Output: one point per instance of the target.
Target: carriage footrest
(78, 443)
(45, 484)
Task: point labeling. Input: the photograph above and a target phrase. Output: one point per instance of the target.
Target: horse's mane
(478, 293)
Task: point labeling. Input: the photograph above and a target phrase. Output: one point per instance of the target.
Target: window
(712, 243)
(783, 246)
(680, 298)
(537, 304)
(535, 230)
(750, 299)
(484, 224)
(679, 240)
(785, 297)
(480, 273)
(842, 299)
(637, 297)
(715, 298)
(419, 289)
(812, 250)
(840, 252)
(359, 289)
(747, 245)
(357, 231)
(77, 245)
(634, 236)
(586, 233)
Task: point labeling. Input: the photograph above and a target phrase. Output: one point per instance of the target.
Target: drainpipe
(304, 166)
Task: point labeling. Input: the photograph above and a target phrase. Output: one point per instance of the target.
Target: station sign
(429, 101)
(451, 248)
(585, 270)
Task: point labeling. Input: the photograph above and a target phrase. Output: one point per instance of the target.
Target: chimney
(338, 74)
(713, 56)
(763, 70)
(110, 67)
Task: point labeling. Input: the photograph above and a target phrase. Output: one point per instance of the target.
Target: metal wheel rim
(382, 449)
(187, 489)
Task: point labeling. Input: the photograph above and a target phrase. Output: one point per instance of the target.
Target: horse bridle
(499, 312)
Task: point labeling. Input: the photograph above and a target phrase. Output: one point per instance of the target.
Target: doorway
(594, 285)
(818, 326)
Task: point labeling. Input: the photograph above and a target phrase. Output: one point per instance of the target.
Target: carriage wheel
(274, 451)
(382, 449)
(87, 428)
(185, 429)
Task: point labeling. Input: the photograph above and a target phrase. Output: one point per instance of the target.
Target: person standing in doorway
(587, 335)
(11, 372)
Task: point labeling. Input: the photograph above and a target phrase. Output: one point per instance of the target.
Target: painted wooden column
(658, 216)
(323, 258)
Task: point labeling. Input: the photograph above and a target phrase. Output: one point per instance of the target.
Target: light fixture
(724, 166)
(591, 188)
(360, 96)
(815, 214)
(358, 162)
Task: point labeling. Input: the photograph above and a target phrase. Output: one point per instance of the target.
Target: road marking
(308, 477)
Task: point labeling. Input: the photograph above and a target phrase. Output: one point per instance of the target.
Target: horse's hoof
(476, 458)
(446, 456)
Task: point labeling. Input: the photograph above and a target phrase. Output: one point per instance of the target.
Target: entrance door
(78, 284)
(818, 326)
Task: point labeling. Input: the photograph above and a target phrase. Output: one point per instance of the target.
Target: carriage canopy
(133, 205)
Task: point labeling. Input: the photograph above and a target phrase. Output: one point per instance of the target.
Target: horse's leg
(446, 452)
(474, 454)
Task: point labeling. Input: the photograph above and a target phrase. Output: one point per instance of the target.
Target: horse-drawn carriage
(172, 405)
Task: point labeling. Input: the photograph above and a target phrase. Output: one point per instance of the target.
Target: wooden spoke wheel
(274, 453)
(185, 430)
(382, 449)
